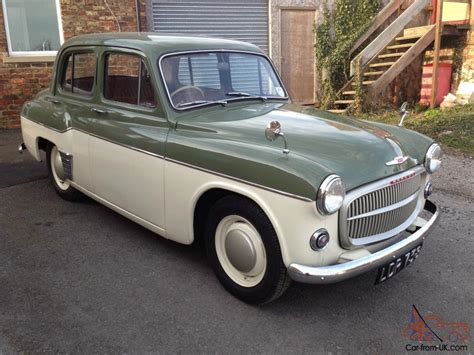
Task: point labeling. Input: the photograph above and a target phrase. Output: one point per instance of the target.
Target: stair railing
(388, 35)
(378, 21)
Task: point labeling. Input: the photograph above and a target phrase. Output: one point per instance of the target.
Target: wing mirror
(403, 113)
(273, 131)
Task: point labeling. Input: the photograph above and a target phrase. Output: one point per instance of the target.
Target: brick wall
(21, 81)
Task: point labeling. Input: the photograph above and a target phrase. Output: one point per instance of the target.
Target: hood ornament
(273, 131)
(397, 160)
(403, 112)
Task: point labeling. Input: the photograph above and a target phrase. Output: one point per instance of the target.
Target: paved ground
(81, 278)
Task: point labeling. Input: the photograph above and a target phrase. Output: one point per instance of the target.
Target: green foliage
(335, 37)
(452, 127)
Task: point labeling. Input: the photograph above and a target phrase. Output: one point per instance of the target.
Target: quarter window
(79, 73)
(128, 80)
(33, 27)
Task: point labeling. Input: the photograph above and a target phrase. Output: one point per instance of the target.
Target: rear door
(127, 136)
(76, 95)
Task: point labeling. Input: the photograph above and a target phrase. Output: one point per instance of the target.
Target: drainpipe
(139, 22)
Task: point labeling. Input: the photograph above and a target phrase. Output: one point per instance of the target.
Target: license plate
(389, 270)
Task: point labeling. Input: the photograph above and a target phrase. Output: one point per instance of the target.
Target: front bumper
(340, 272)
(21, 148)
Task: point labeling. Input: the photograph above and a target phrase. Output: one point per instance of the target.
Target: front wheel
(56, 175)
(244, 251)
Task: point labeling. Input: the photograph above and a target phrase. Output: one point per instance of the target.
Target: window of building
(33, 27)
(79, 73)
(128, 80)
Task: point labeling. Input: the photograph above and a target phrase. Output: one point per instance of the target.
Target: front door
(297, 54)
(128, 134)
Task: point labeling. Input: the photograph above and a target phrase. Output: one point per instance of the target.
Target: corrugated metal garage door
(245, 20)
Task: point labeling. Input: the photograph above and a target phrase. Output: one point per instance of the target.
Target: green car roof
(159, 43)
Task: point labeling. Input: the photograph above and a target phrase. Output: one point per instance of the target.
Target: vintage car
(196, 139)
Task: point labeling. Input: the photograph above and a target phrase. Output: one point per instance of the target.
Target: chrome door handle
(53, 101)
(99, 111)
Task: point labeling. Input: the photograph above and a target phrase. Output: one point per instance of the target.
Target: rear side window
(79, 73)
(128, 80)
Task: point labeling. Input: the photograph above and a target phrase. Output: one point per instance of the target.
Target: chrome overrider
(340, 272)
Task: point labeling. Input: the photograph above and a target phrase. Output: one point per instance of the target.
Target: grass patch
(453, 128)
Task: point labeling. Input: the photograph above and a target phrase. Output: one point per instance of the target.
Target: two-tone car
(196, 139)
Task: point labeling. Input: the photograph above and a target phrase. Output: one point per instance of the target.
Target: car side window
(79, 73)
(128, 80)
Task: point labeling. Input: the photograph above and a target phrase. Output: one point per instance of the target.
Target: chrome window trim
(168, 95)
(349, 243)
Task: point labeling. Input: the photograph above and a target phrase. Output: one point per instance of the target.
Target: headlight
(433, 158)
(331, 194)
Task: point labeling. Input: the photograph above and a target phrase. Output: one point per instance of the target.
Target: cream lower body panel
(70, 141)
(128, 178)
(123, 212)
(294, 220)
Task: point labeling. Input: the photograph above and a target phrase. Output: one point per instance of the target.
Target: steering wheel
(188, 87)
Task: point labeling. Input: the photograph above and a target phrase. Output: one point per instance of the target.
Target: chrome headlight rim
(432, 152)
(323, 192)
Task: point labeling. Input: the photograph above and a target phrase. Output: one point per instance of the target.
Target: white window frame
(32, 53)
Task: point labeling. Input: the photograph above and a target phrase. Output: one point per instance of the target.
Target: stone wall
(22, 79)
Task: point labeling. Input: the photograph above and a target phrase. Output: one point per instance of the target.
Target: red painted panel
(444, 83)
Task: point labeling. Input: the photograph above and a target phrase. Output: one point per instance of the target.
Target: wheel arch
(210, 193)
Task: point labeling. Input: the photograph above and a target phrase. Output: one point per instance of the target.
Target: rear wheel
(244, 251)
(56, 175)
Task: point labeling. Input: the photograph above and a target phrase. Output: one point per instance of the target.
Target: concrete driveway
(77, 277)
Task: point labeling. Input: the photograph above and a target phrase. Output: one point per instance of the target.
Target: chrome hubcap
(240, 251)
(58, 169)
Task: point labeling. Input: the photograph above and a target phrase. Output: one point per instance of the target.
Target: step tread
(398, 46)
(348, 93)
(367, 82)
(386, 64)
(374, 73)
(391, 55)
(406, 38)
(337, 111)
(343, 102)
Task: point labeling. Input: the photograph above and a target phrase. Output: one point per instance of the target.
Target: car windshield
(204, 78)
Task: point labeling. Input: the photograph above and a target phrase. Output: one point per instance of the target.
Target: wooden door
(297, 54)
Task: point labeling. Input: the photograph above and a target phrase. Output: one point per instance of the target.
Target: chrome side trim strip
(181, 163)
(339, 272)
(388, 208)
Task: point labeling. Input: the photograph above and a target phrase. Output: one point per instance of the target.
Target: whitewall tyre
(56, 175)
(244, 251)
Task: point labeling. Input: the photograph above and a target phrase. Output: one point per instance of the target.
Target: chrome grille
(381, 210)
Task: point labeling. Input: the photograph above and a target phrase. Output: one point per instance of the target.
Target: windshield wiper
(202, 102)
(246, 94)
